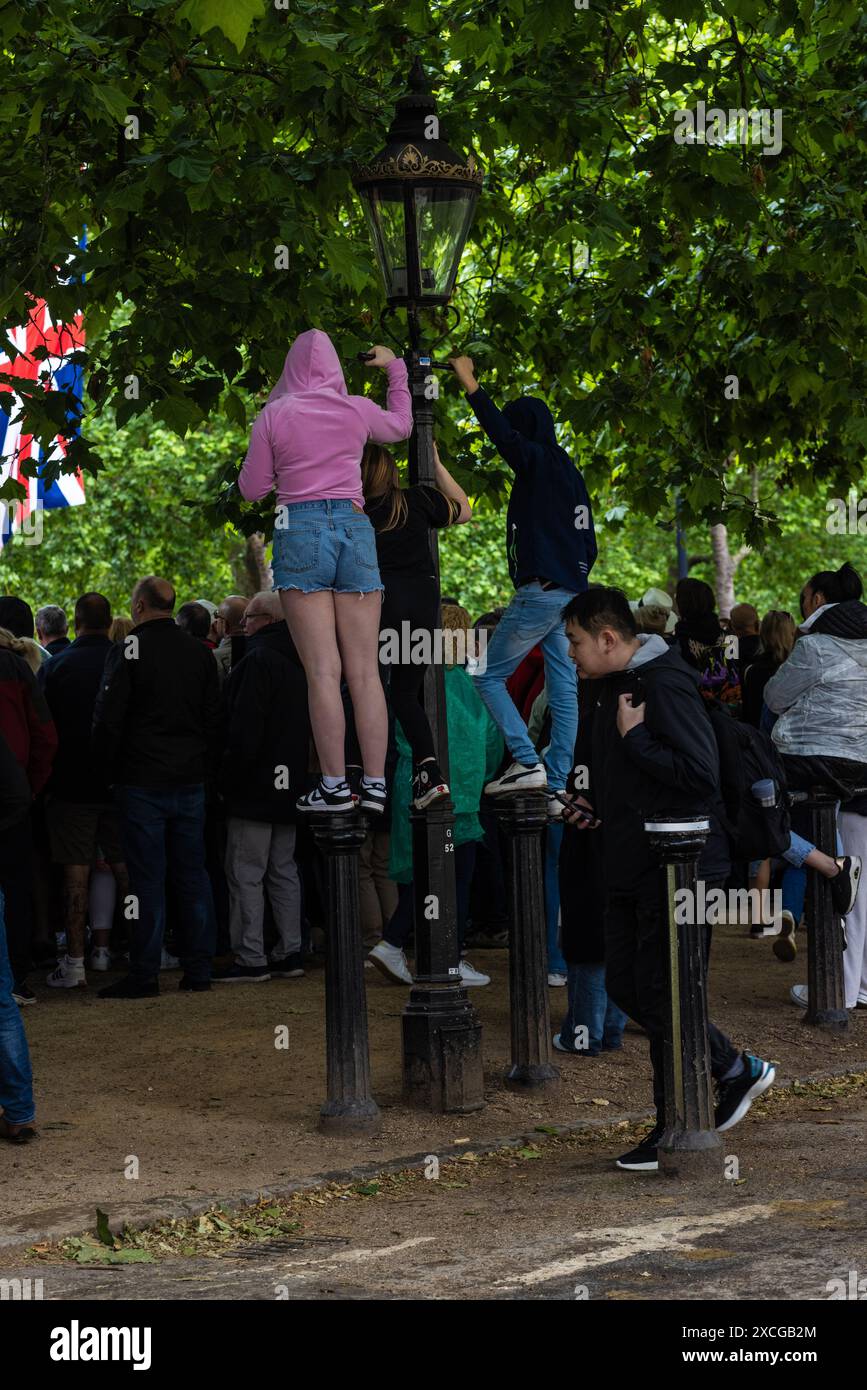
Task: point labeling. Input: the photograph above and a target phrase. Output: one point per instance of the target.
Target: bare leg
(75, 880)
(358, 618)
(311, 621)
(823, 863)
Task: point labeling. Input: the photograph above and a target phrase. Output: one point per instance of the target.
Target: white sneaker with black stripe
(324, 798)
(373, 796)
(519, 778)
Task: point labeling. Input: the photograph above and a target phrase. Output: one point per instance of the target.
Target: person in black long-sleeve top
(16, 1082)
(156, 733)
(551, 545)
(652, 754)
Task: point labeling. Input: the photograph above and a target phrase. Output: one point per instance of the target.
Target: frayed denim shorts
(325, 545)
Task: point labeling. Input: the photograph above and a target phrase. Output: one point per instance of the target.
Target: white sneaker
(169, 962)
(798, 995)
(67, 976)
(519, 778)
(100, 958)
(556, 809)
(555, 981)
(469, 976)
(391, 960)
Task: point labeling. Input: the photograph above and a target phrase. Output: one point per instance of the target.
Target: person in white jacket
(820, 696)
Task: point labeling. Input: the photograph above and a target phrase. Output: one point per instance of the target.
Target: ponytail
(838, 585)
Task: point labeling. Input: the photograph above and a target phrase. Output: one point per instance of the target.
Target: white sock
(373, 781)
(332, 783)
(75, 960)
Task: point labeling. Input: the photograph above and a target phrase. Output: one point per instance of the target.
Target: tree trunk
(258, 571)
(725, 567)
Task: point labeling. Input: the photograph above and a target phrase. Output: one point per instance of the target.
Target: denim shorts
(325, 545)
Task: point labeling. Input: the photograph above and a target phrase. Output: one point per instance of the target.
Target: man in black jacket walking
(551, 546)
(652, 753)
(155, 733)
(264, 765)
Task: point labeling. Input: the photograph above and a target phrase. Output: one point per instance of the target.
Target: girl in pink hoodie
(306, 445)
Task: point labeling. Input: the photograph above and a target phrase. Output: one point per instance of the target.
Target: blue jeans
(589, 1007)
(531, 619)
(163, 834)
(16, 1078)
(553, 841)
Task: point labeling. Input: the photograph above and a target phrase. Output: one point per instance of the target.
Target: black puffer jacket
(267, 729)
(669, 765)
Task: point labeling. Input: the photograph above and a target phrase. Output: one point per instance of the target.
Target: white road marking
(639, 1240)
(349, 1257)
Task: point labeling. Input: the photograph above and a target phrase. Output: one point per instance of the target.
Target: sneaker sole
(531, 785)
(240, 980)
(325, 810)
(376, 806)
(652, 1167)
(435, 794)
(286, 974)
(389, 974)
(758, 1088)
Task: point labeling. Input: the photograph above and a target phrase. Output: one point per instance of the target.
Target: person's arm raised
(452, 490)
(509, 443)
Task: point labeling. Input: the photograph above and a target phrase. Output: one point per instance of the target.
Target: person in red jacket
(27, 727)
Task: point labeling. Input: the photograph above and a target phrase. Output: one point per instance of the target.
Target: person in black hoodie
(551, 546)
(263, 766)
(652, 753)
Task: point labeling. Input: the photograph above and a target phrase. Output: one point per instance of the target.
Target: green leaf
(528, 1153)
(103, 1230)
(235, 410)
(232, 17)
(803, 381)
(112, 98)
(193, 170)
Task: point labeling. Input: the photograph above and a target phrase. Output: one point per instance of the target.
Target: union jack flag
(56, 372)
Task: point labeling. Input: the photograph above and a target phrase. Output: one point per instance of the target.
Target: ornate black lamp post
(419, 196)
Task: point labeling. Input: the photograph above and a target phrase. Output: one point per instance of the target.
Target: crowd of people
(158, 770)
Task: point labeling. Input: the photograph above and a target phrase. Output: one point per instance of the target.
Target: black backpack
(747, 755)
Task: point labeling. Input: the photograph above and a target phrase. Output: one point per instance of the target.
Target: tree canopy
(627, 276)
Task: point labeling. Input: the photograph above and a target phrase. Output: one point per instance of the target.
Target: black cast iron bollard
(349, 1108)
(825, 994)
(523, 819)
(690, 1146)
(442, 1036)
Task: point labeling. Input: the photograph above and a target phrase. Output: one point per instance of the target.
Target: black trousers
(637, 979)
(418, 605)
(401, 924)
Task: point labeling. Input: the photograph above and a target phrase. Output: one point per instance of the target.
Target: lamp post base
(442, 1052)
(543, 1076)
(350, 1117)
(694, 1155)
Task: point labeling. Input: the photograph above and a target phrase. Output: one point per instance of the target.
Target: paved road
(561, 1226)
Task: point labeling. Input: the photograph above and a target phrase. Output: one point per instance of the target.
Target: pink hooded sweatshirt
(309, 438)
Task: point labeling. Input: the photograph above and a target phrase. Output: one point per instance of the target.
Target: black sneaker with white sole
(644, 1158)
(324, 798)
(844, 885)
(428, 785)
(289, 968)
(238, 974)
(373, 796)
(735, 1097)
